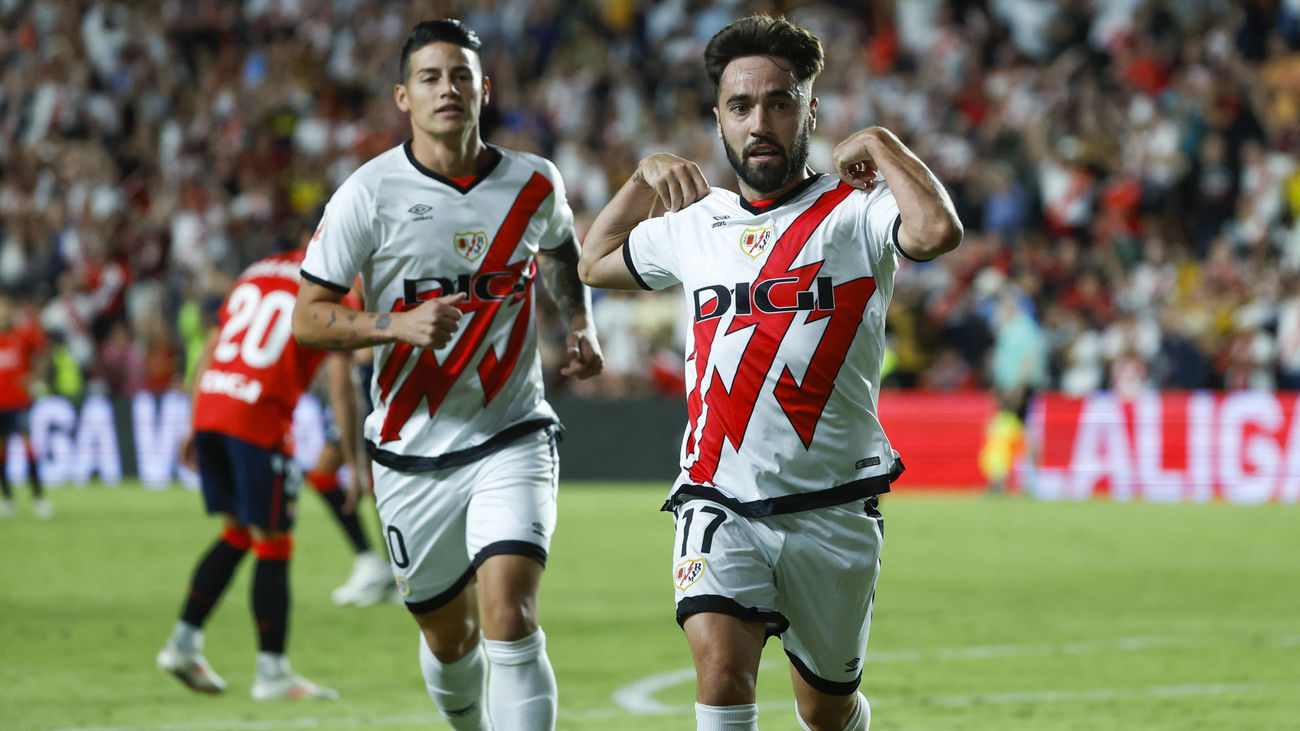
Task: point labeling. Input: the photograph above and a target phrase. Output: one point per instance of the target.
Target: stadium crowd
(1126, 170)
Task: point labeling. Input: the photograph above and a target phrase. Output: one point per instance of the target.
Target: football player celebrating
(448, 234)
(248, 382)
(778, 531)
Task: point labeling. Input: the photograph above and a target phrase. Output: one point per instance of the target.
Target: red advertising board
(938, 434)
(1239, 446)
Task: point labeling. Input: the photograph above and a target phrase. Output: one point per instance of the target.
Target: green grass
(991, 614)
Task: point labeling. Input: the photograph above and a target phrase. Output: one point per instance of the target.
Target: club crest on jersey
(403, 586)
(755, 241)
(470, 245)
(688, 572)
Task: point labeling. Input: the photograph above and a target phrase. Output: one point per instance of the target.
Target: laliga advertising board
(1241, 446)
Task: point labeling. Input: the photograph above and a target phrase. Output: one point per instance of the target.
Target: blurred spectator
(1126, 170)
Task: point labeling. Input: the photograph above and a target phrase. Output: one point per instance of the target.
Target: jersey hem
(458, 458)
(627, 261)
(784, 504)
(829, 687)
(511, 548)
(462, 189)
(789, 195)
(424, 606)
(718, 604)
(898, 223)
(327, 284)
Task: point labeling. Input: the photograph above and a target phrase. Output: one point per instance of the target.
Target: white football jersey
(787, 312)
(413, 235)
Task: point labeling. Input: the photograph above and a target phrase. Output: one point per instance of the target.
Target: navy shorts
(255, 484)
(13, 422)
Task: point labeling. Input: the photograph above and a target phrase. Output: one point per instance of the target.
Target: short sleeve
(880, 223)
(650, 254)
(556, 212)
(343, 239)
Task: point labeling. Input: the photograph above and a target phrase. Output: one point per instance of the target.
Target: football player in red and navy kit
(21, 344)
(246, 387)
(787, 286)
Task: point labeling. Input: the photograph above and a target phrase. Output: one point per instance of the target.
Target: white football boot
(190, 668)
(371, 581)
(284, 683)
(44, 509)
(6, 508)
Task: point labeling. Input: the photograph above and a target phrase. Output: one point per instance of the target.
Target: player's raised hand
(853, 161)
(583, 352)
(678, 181)
(431, 324)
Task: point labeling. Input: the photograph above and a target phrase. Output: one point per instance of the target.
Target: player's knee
(450, 640)
(510, 620)
(725, 681)
(236, 536)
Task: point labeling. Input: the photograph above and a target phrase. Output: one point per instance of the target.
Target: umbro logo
(852, 665)
(720, 221)
(420, 209)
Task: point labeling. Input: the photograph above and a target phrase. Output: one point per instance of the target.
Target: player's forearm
(632, 204)
(333, 326)
(559, 270)
(929, 220)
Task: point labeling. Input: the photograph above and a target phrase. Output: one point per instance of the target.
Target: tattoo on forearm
(559, 269)
(382, 322)
(636, 177)
(333, 316)
(352, 318)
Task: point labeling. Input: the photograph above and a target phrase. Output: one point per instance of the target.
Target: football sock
(328, 486)
(861, 718)
(726, 718)
(272, 665)
(212, 575)
(521, 687)
(457, 688)
(271, 592)
(34, 473)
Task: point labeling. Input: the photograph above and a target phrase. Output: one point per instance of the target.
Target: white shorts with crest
(440, 526)
(809, 575)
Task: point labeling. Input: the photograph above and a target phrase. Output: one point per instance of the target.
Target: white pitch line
(639, 697)
(950, 701)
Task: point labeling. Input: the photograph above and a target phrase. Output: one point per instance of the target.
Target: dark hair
(764, 35)
(447, 30)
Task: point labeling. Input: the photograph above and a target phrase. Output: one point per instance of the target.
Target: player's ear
(812, 114)
(717, 118)
(487, 89)
(399, 96)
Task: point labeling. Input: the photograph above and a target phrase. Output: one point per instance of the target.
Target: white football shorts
(810, 576)
(440, 526)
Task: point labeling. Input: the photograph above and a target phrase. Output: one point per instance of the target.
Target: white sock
(861, 718)
(272, 665)
(456, 688)
(187, 637)
(726, 718)
(521, 692)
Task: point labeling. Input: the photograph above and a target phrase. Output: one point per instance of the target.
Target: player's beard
(776, 175)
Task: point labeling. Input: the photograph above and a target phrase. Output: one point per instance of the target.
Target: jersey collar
(462, 189)
(789, 195)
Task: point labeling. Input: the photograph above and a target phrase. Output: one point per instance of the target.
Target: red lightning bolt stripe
(728, 412)
(803, 403)
(431, 380)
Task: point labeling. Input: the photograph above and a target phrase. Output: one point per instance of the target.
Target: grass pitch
(991, 614)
